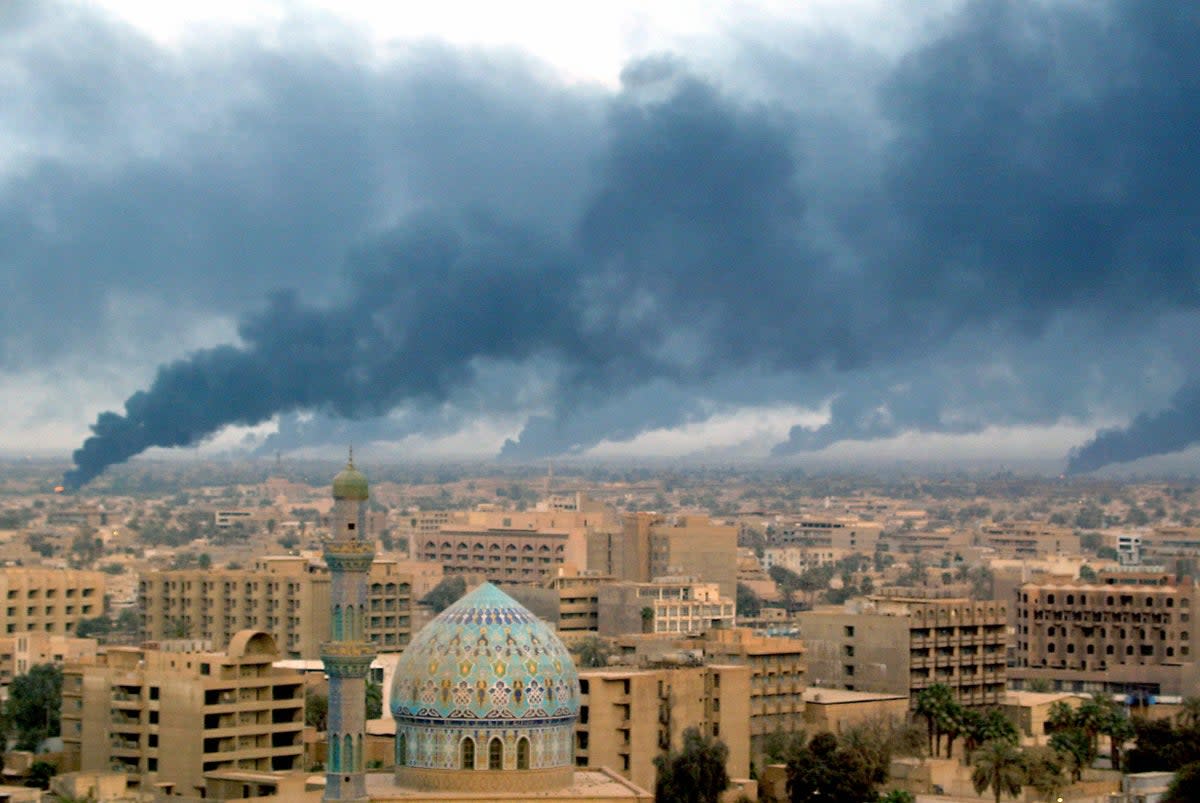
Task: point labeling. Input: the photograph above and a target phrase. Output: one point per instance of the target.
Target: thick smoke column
(1170, 430)
(1038, 164)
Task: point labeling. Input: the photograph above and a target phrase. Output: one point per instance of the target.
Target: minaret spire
(347, 655)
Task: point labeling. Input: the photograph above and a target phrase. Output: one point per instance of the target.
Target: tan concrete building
(901, 645)
(1124, 638)
(778, 672)
(800, 559)
(667, 606)
(23, 651)
(178, 712)
(579, 601)
(287, 597)
(505, 555)
(849, 534)
(649, 546)
(836, 710)
(629, 716)
(48, 600)
(1028, 539)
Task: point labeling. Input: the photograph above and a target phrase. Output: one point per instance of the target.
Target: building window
(467, 752)
(495, 754)
(401, 750)
(522, 753)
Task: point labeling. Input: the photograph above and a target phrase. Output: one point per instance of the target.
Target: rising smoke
(1039, 166)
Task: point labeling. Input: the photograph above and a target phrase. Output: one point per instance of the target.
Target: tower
(347, 655)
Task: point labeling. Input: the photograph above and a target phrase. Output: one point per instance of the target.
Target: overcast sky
(793, 229)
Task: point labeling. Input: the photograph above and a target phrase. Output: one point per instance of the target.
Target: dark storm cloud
(1031, 165)
(210, 177)
(1163, 432)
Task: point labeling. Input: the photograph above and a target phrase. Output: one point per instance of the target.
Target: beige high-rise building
(629, 716)
(504, 555)
(901, 645)
(1123, 638)
(174, 714)
(287, 597)
(579, 601)
(23, 651)
(48, 600)
(649, 546)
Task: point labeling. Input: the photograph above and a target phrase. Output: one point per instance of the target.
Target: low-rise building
(680, 606)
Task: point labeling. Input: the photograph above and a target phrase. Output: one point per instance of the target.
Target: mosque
(485, 698)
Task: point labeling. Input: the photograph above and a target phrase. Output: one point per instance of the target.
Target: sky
(795, 231)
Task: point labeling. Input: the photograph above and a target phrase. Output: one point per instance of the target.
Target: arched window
(335, 757)
(401, 750)
(348, 625)
(467, 752)
(522, 753)
(495, 754)
(337, 622)
(348, 764)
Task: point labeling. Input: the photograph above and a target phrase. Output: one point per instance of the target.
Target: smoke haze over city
(789, 227)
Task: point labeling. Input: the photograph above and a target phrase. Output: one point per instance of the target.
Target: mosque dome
(485, 687)
(350, 484)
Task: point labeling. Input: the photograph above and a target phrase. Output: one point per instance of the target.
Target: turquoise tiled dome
(485, 659)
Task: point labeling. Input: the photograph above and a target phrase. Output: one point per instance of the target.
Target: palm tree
(934, 704)
(998, 766)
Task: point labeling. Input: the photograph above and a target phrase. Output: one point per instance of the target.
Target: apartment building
(1122, 638)
(288, 597)
(901, 645)
(48, 600)
(21, 652)
(1028, 539)
(504, 555)
(650, 545)
(174, 713)
(677, 606)
(800, 559)
(627, 716)
(579, 601)
(778, 676)
(848, 534)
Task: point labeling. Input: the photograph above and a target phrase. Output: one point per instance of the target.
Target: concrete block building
(48, 600)
(901, 645)
(174, 713)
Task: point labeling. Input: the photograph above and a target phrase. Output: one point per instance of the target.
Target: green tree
(1087, 574)
(1185, 786)
(591, 652)
(40, 773)
(749, 604)
(825, 770)
(898, 796)
(316, 711)
(695, 773)
(91, 628)
(445, 593)
(1075, 746)
(1044, 771)
(373, 700)
(33, 708)
(997, 765)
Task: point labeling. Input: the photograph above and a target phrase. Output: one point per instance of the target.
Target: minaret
(347, 655)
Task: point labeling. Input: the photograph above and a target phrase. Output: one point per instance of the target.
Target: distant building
(650, 545)
(48, 600)
(850, 535)
(288, 597)
(1029, 539)
(21, 652)
(505, 555)
(902, 645)
(1121, 638)
(666, 606)
(179, 711)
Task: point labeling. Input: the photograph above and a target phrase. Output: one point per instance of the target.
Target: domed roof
(485, 658)
(350, 483)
